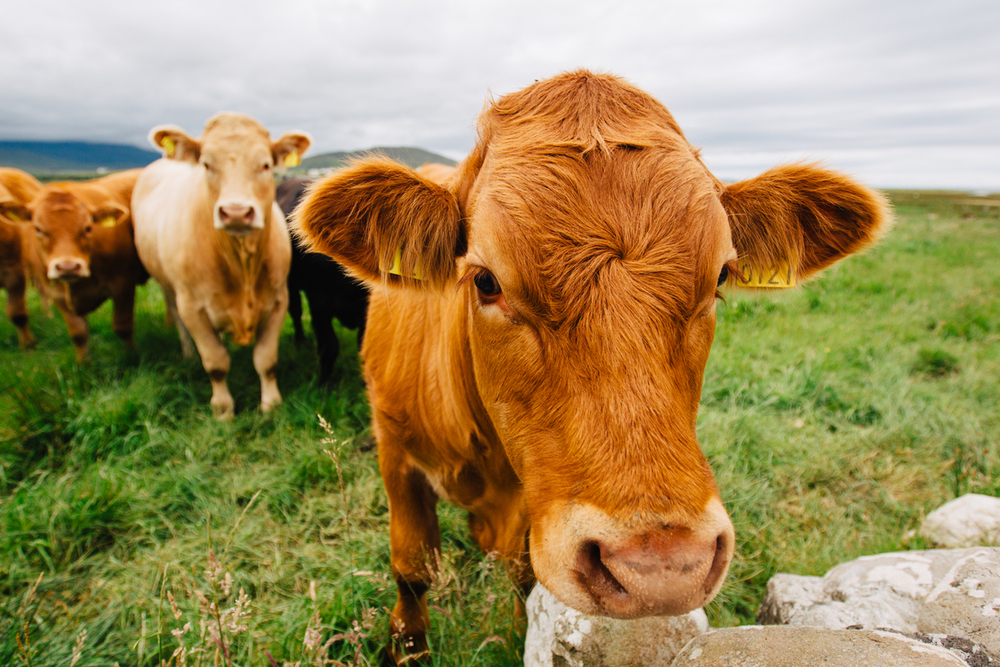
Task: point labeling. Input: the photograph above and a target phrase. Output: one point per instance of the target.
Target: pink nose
(666, 571)
(236, 215)
(67, 269)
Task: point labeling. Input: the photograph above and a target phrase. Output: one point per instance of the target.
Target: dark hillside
(49, 156)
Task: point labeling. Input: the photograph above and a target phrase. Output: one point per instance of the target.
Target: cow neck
(242, 255)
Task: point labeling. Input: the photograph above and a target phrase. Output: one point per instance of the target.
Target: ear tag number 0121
(775, 277)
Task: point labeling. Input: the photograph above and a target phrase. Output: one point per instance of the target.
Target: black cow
(330, 292)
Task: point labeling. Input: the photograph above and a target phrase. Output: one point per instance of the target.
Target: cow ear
(384, 222)
(798, 219)
(175, 144)
(109, 215)
(288, 150)
(11, 211)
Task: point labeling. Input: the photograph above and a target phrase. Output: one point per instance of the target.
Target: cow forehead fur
(591, 183)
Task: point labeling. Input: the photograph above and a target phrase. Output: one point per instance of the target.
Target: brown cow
(18, 256)
(209, 231)
(545, 373)
(83, 233)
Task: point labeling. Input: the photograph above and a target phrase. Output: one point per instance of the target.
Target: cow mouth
(240, 231)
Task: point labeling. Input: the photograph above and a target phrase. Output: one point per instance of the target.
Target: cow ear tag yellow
(292, 159)
(775, 277)
(108, 221)
(13, 216)
(169, 145)
(396, 267)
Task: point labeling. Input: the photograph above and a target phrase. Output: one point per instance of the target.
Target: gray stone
(970, 521)
(944, 591)
(782, 646)
(559, 636)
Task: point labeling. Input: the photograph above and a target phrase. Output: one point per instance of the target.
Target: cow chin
(599, 566)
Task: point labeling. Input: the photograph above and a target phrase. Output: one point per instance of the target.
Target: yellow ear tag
(292, 159)
(775, 277)
(13, 216)
(169, 145)
(396, 268)
(109, 221)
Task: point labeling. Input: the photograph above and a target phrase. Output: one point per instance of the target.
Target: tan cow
(83, 234)
(209, 231)
(18, 257)
(545, 372)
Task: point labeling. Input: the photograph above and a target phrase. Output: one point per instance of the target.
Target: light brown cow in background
(545, 372)
(83, 234)
(18, 257)
(209, 231)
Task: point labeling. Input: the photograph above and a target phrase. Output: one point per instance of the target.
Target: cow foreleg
(122, 317)
(265, 355)
(416, 544)
(17, 311)
(79, 332)
(172, 317)
(214, 356)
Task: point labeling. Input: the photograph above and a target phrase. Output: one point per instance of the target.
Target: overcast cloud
(902, 93)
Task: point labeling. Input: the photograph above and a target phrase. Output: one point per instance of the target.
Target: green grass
(835, 417)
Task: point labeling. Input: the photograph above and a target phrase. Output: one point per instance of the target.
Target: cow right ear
(175, 144)
(384, 222)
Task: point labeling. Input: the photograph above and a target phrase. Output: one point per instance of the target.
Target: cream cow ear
(384, 222)
(175, 144)
(793, 221)
(289, 149)
(109, 215)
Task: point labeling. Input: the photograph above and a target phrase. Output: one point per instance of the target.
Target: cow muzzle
(238, 219)
(595, 564)
(68, 269)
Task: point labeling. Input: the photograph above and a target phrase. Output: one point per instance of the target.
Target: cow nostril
(248, 218)
(594, 574)
(720, 563)
(223, 214)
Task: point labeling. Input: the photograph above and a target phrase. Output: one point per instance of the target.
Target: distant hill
(412, 157)
(62, 157)
(68, 156)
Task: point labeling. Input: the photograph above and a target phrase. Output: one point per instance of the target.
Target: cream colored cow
(208, 230)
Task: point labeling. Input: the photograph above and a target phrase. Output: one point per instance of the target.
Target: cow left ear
(288, 150)
(798, 219)
(109, 215)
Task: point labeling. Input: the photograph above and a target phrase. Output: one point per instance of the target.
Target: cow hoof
(224, 411)
(267, 406)
(407, 650)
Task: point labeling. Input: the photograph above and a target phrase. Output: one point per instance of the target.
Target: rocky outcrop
(947, 591)
(559, 636)
(782, 646)
(970, 521)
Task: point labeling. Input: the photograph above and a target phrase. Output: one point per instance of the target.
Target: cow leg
(327, 344)
(79, 332)
(265, 355)
(123, 316)
(17, 311)
(506, 533)
(173, 317)
(415, 540)
(295, 310)
(214, 356)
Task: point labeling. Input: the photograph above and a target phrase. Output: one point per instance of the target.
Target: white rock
(969, 521)
(944, 591)
(559, 635)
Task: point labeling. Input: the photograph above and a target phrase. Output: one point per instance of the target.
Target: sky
(900, 93)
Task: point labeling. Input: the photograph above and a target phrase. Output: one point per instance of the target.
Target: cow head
(64, 227)
(587, 243)
(238, 159)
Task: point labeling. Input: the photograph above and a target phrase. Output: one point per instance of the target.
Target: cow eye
(487, 285)
(87, 229)
(266, 167)
(723, 276)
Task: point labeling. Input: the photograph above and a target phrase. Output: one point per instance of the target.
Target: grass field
(132, 524)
